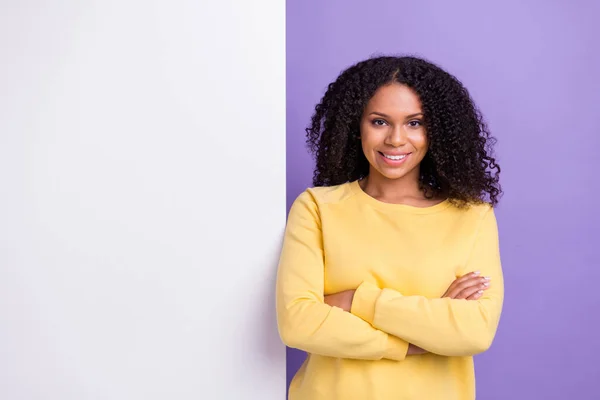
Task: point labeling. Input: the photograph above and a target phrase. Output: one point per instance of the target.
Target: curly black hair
(459, 164)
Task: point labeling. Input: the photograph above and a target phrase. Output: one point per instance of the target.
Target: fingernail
(486, 284)
(476, 273)
(487, 278)
(480, 292)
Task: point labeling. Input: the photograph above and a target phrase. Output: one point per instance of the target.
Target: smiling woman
(394, 139)
(390, 275)
(408, 85)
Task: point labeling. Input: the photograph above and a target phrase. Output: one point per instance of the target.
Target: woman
(390, 275)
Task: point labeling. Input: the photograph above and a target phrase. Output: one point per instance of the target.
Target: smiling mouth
(397, 157)
(394, 159)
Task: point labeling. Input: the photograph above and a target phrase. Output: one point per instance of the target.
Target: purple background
(533, 68)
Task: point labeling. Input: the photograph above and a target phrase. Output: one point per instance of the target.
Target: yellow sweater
(401, 259)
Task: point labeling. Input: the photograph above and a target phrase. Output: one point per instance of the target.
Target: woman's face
(393, 137)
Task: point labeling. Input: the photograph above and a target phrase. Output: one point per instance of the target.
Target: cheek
(368, 139)
(420, 141)
(366, 147)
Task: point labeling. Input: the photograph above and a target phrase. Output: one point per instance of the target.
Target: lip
(394, 163)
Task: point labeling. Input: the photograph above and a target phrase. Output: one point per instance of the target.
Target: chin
(397, 173)
(393, 175)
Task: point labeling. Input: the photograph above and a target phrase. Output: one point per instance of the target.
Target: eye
(415, 123)
(378, 122)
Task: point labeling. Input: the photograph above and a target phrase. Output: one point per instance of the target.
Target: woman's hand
(341, 300)
(470, 286)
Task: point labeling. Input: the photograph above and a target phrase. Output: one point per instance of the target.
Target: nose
(396, 137)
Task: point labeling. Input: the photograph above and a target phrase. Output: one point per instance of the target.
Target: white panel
(142, 203)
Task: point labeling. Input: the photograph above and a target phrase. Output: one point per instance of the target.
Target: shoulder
(479, 211)
(325, 195)
(310, 204)
(470, 217)
(480, 217)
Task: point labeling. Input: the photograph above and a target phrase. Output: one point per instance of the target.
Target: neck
(394, 190)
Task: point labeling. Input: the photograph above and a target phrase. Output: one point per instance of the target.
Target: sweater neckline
(368, 199)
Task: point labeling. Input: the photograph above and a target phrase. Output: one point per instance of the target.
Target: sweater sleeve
(305, 322)
(448, 327)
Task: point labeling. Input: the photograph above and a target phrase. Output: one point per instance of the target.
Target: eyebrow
(387, 116)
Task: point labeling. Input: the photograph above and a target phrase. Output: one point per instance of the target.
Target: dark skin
(392, 125)
(468, 287)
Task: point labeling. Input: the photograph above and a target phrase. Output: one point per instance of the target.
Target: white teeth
(395, 157)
